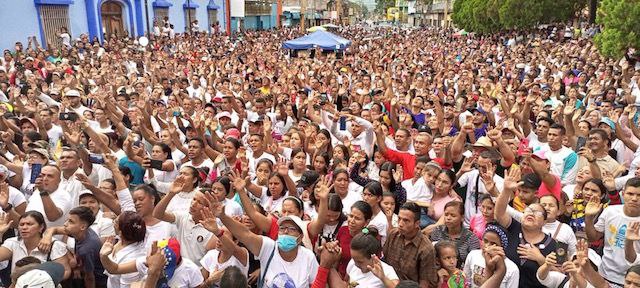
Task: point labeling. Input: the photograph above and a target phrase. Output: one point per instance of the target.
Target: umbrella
(316, 28)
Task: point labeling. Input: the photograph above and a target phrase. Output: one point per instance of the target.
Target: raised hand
(633, 232)
(593, 207)
(107, 247)
(486, 176)
(177, 186)
(608, 181)
(397, 173)
(376, 267)
(209, 221)
(156, 259)
(512, 181)
(110, 161)
(5, 223)
(467, 164)
(84, 180)
(323, 187)
(239, 183)
(4, 194)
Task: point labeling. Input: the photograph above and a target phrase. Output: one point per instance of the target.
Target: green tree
(621, 26)
(486, 16)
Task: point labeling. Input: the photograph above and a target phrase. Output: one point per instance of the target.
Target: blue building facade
(20, 19)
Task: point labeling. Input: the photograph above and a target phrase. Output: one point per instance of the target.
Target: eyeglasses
(287, 229)
(529, 210)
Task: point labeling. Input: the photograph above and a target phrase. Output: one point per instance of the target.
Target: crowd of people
(414, 158)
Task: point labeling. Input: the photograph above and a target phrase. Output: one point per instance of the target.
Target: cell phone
(70, 116)
(323, 98)
(580, 143)
(343, 123)
(35, 172)
(176, 114)
(561, 252)
(356, 148)
(96, 159)
(156, 164)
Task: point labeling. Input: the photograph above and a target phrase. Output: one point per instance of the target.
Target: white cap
(223, 114)
(295, 219)
(72, 92)
(35, 278)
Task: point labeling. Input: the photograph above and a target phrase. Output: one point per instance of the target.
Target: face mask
(287, 242)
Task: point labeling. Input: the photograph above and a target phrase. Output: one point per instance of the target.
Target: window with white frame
(54, 17)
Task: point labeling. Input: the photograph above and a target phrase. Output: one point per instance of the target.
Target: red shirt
(344, 239)
(407, 160)
(555, 191)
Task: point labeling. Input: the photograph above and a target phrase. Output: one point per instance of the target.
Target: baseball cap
(253, 118)
(29, 58)
(540, 154)
(72, 93)
(609, 122)
(531, 181)
(308, 178)
(295, 219)
(45, 275)
(424, 128)
(223, 114)
(233, 133)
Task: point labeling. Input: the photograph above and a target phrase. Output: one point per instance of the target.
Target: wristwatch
(8, 208)
(44, 193)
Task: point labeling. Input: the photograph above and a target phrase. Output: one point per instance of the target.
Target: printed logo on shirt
(617, 236)
(282, 280)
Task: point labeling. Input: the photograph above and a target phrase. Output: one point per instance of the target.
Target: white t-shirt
(418, 191)
(103, 226)
(613, 223)
(186, 275)
(193, 237)
(280, 273)
(206, 163)
(210, 263)
(127, 254)
(475, 265)
(62, 200)
(347, 202)
(19, 251)
(160, 231)
(471, 180)
(554, 279)
(181, 202)
(368, 279)
(381, 223)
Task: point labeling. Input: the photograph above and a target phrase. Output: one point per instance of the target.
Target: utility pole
(303, 11)
(446, 14)
(189, 15)
(146, 14)
(338, 10)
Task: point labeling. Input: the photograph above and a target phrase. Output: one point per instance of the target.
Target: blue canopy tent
(321, 39)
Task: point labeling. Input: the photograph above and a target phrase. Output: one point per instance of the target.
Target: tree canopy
(486, 16)
(621, 27)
